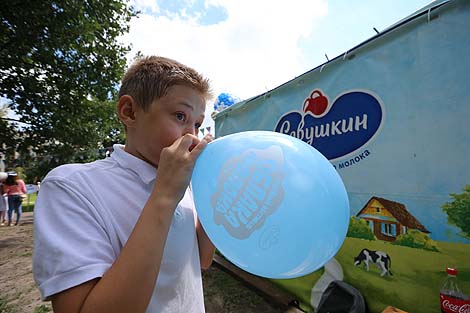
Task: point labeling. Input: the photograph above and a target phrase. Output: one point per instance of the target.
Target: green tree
(60, 64)
(416, 239)
(458, 211)
(359, 228)
(7, 132)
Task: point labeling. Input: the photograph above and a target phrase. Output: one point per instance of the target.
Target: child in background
(121, 234)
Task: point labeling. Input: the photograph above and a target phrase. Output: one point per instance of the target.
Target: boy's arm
(71, 299)
(129, 283)
(206, 247)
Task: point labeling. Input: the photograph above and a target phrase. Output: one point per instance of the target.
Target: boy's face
(179, 112)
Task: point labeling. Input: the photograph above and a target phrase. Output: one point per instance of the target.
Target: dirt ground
(18, 293)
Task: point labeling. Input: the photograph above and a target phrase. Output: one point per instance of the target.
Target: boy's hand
(176, 166)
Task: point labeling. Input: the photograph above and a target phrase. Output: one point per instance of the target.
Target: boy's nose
(191, 130)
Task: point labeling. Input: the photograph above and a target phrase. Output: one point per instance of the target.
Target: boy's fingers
(192, 144)
(201, 145)
(208, 138)
(187, 142)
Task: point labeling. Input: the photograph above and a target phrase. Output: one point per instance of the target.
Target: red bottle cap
(451, 271)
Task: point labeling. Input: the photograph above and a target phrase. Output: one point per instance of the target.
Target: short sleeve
(71, 245)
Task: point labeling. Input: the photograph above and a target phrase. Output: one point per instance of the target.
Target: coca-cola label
(454, 305)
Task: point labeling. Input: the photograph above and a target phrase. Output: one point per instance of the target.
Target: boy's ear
(126, 110)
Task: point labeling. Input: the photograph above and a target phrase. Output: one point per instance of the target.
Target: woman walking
(15, 189)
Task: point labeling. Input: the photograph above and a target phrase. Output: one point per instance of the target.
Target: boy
(121, 234)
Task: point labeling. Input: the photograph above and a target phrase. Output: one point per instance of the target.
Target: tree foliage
(458, 211)
(7, 131)
(359, 228)
(60, 64)
(416, 239)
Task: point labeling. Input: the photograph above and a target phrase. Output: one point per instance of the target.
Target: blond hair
(149, 78)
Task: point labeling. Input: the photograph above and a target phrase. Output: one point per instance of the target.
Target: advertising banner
(393, 117)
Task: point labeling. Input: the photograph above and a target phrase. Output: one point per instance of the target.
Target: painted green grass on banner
(417, 275)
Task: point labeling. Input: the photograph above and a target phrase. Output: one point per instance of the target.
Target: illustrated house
(389, 219)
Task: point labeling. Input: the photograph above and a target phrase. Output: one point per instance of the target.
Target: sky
(247, 47)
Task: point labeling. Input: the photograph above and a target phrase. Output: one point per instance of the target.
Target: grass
(25, 254)
(417, 275)
(42, 309)
(28, 202)
(5, 308)
(224, 293)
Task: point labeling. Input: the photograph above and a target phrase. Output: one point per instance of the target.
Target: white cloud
(254, 49)
(146, 5)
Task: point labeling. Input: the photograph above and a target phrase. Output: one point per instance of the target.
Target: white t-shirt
(83, 217)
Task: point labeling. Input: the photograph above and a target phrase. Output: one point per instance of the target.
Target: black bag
(340, 297)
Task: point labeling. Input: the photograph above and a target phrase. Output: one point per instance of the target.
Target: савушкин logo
(336, 128)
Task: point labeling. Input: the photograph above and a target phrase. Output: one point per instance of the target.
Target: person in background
(15, 189)
(121, 234)
(3, 199)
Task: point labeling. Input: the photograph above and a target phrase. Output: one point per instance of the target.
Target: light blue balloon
(271, 204)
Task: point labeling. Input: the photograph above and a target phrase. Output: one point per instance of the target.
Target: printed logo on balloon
(336, 128)
(249, 191)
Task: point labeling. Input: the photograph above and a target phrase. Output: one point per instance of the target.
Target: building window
(377, 209)
(389, 229)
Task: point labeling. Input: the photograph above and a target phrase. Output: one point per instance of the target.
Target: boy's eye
(180, 116)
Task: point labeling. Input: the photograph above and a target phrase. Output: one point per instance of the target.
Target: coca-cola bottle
(453, 300)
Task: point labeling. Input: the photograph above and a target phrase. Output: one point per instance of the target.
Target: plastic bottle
(453, 300)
